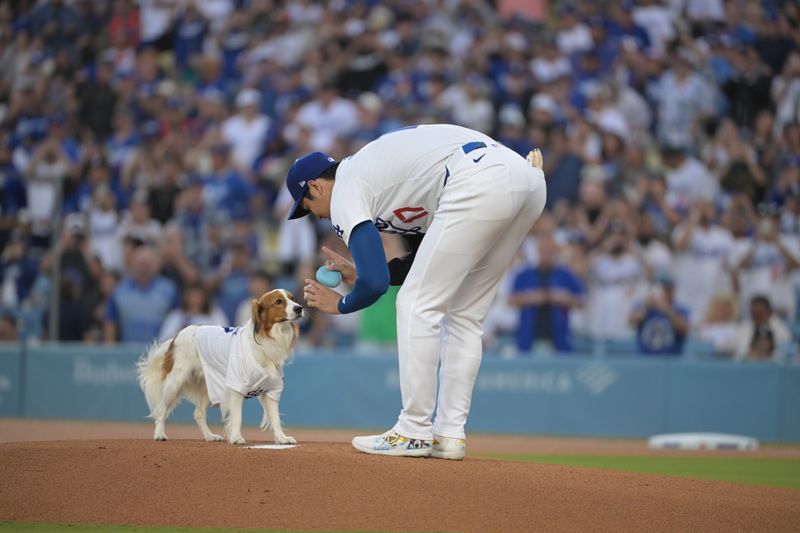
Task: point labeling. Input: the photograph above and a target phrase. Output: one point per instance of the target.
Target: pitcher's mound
(332, 487)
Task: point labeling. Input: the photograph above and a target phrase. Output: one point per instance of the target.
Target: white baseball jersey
(614, 283)
(228, 363)
(475, 200)
(700, 271)
(396, 180)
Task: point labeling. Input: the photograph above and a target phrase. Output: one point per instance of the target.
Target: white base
(701, 441)
(272, 446)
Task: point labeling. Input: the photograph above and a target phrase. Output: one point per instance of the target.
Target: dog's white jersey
(229, 364)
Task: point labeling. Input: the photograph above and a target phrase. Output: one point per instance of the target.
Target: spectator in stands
(328, 116)
(74, 313)
(748, 89)
(545, 295)
(763, 335)
(141, 168)
(616, 281)
(77, 261)
(104, 228)
(195, 309)
(98, 100)
(562, 167)
(573, 35)
(48, 168)
(175, 265)
(765, 262)
(225, 189)
(231, 281)
(687, 179)
(259, 282)
(785, 91)
(155, 21)
(656, 255)
(139, 303)
(191, 28)
(246, 131)
(684, 99)
(661, 324)
(163, 194)
(297, 239)
(137, 224)
(703, 254)
(122, 144)
(18, 271)
(13, 196)
(197, 224)
(720, 324)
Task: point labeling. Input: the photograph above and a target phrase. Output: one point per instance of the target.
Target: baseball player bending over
(464, 203)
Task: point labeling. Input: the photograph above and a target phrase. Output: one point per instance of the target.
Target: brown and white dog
(216, 365)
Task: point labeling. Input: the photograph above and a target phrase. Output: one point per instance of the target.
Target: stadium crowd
(143, 148)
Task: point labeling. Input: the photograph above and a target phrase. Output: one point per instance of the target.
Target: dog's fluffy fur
(172, 369)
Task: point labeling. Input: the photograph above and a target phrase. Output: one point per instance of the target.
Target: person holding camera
(661, 324)
(765, 261)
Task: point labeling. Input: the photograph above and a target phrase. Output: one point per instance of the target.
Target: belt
(466, 148)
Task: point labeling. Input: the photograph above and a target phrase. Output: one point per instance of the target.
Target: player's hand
(334, 261)
(535, 158)
(321, 297)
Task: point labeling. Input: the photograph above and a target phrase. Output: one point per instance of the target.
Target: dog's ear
(256, 309)
(267, 319)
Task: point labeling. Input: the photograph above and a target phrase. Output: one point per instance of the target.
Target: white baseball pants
(486, 209)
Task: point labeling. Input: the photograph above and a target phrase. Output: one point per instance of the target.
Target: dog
(223, 365)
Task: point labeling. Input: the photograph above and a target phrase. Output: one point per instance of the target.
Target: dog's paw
(160, 437)
(215, 438)
(285, 439)
(237, 439)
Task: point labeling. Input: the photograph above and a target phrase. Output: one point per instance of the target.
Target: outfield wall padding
(575, 395)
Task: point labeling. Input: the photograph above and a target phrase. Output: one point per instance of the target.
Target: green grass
(15, 527)
(755, 471)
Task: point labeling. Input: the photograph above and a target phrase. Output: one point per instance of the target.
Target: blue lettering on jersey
(387, 227)
(339, 231)
(254, 393)
(233, 330)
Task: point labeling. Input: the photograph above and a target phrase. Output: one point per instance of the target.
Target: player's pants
(486, 209)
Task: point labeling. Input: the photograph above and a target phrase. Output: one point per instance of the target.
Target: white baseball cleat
(448, 448)
(392, 443)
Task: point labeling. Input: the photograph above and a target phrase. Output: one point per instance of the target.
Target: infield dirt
(328, 486)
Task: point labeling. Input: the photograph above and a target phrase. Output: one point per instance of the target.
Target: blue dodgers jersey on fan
(657, 336)
(560, 278)
(396, 180)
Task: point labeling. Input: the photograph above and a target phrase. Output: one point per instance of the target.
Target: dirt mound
(330, 486)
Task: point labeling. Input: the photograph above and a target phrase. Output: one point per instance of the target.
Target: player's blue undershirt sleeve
(373, 273)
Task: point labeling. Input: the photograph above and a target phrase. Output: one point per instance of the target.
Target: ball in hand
(329, 278)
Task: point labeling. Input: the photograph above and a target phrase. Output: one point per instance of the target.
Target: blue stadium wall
(581, 396)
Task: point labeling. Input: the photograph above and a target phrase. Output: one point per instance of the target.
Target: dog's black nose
(298, 309)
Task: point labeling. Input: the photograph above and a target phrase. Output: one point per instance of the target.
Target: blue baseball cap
(307, 168)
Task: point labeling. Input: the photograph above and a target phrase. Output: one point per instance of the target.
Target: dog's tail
(153, 368)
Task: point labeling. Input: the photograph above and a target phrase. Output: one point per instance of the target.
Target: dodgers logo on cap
(307, 168)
